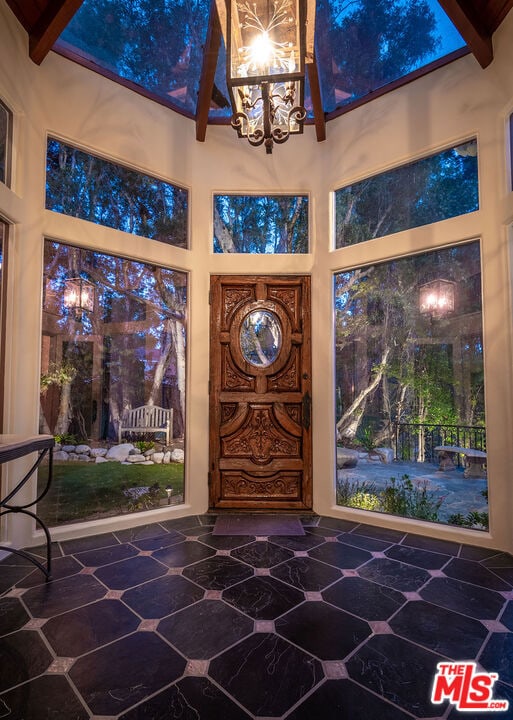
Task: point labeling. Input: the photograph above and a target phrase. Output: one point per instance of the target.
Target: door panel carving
(260, 444)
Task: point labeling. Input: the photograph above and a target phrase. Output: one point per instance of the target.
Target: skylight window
(156, 47)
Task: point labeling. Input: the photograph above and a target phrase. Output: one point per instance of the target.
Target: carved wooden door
(260, 383)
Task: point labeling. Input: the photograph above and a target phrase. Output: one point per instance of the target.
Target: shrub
(403, 497)
(399, 497)
(66, 439)
(474, 520)
(144, 445)
(347, 490)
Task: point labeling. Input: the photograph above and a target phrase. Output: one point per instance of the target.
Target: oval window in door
(260, 338)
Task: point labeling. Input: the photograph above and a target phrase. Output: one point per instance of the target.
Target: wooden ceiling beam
(315, 94)
(208, 71)
(471, 28)
(56, 15)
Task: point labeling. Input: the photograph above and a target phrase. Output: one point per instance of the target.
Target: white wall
(450, 105)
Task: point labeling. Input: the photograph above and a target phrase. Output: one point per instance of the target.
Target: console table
(13, 447)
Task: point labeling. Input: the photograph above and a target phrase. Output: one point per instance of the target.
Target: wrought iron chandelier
(268, 43)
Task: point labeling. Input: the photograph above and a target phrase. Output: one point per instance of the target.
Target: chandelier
(78, 296)
(268, 43)
(436, 298)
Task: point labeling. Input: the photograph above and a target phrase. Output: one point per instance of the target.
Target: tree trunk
(163, 362)
(348, 424)
(223, 234)
(44, 428)
(177, 332)
(64, 417)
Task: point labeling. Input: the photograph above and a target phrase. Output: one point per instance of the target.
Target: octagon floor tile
(363, 542)
(263, 597)
(218, 573)
(398, 671)
(305, 573)
(61, 567)
(226, 542)
(322, 630)
(48, 696)
(337, 524)
(23, 655)
(280, 673)
(463, 597)
(204, 629)
(497, 656)
(87, 628)
(446, 547)
(59, 596)
(379, 533)
(443, 631)
(500, 692)
(262, 554)
(184, 553)
(127, 573)
(107, 555)
(192, 698)
(297, 542)
(340, 555)
(121, 674)
(160, 541)
(12, 615)
(92, 542)
(13, 574)
(475, 573)
(341, 699)
(394, 574)
(507, 616)
(163, 596)
(366, 599)
(143, 531)
(415, 556)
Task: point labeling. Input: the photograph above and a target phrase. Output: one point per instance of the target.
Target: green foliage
(144, 445)
(474, 520)
(408, 499)
(347, 491)
(366, 438)
(58, 375)
(399, 497)
(66, 439)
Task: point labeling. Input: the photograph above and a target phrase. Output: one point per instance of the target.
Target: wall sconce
(267, 45)
(436, 298)
(78, 296)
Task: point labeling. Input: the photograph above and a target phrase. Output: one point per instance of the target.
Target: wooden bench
(147, 419)
(474, 459)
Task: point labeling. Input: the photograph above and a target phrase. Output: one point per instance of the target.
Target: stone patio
(461, 495)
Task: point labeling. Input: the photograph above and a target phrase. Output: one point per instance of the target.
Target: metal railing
(416, 442)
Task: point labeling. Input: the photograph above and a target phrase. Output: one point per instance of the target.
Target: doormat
(258, 525)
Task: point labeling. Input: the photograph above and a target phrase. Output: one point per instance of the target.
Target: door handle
(307, 410)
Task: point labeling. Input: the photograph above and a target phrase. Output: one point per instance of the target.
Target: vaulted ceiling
(45, 21)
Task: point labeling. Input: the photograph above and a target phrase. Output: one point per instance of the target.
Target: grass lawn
(87, 491)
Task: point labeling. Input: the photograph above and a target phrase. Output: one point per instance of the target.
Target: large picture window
(94, 189)
(261, 224)
(112, 383)
(410, 414)
(434, 188)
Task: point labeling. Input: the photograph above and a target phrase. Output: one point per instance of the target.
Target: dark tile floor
(168, 621)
